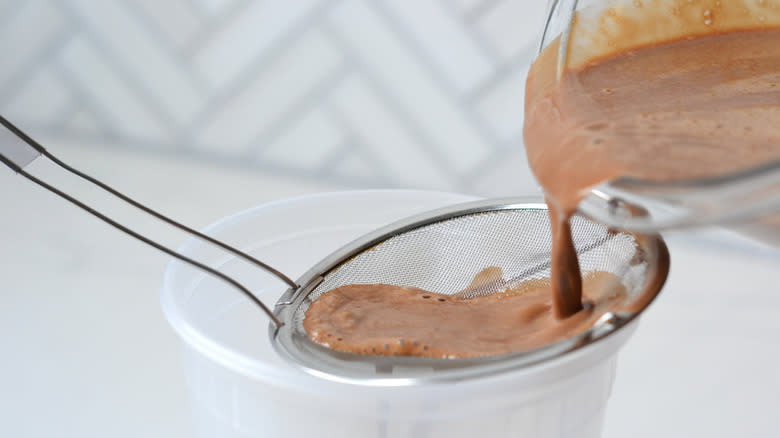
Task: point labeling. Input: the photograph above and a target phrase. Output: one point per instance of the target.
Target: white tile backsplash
(379, 131)
(444, 43)
(126, 43)
(424, 94)
(213, 7)
(46, 97)
(303, 66)
(432, 114)
(309, 144)
(113, 101)
(248, 37)
(174, 20)
(503, 105)
(29, 32)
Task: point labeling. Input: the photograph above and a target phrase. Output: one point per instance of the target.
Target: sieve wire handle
(18, 150)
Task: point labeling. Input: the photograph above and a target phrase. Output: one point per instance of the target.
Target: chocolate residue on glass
(663, 91)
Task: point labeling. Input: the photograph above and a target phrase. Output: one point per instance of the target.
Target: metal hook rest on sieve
(18, 150)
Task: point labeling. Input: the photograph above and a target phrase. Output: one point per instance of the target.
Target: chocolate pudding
(389, 320)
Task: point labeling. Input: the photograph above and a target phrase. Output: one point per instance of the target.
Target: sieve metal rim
(285, 341)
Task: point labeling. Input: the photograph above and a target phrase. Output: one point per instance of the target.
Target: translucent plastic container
(239, 387)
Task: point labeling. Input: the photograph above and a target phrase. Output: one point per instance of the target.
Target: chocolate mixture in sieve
(392, 320)
(649, 92)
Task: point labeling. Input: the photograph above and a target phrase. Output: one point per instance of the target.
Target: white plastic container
(240, 387)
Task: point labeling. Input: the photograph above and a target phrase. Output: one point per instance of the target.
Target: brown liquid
(673, 101)
(392, 320)
(689, 109)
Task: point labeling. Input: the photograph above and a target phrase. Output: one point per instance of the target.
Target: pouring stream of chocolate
(690, 108)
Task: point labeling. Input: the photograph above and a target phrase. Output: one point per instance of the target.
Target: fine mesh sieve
(439, 251)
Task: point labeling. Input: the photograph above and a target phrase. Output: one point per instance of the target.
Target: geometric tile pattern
(425, 94)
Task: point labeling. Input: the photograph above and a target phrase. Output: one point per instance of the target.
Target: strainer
(440, 251)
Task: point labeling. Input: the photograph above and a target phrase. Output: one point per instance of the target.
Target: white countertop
(87, 352)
